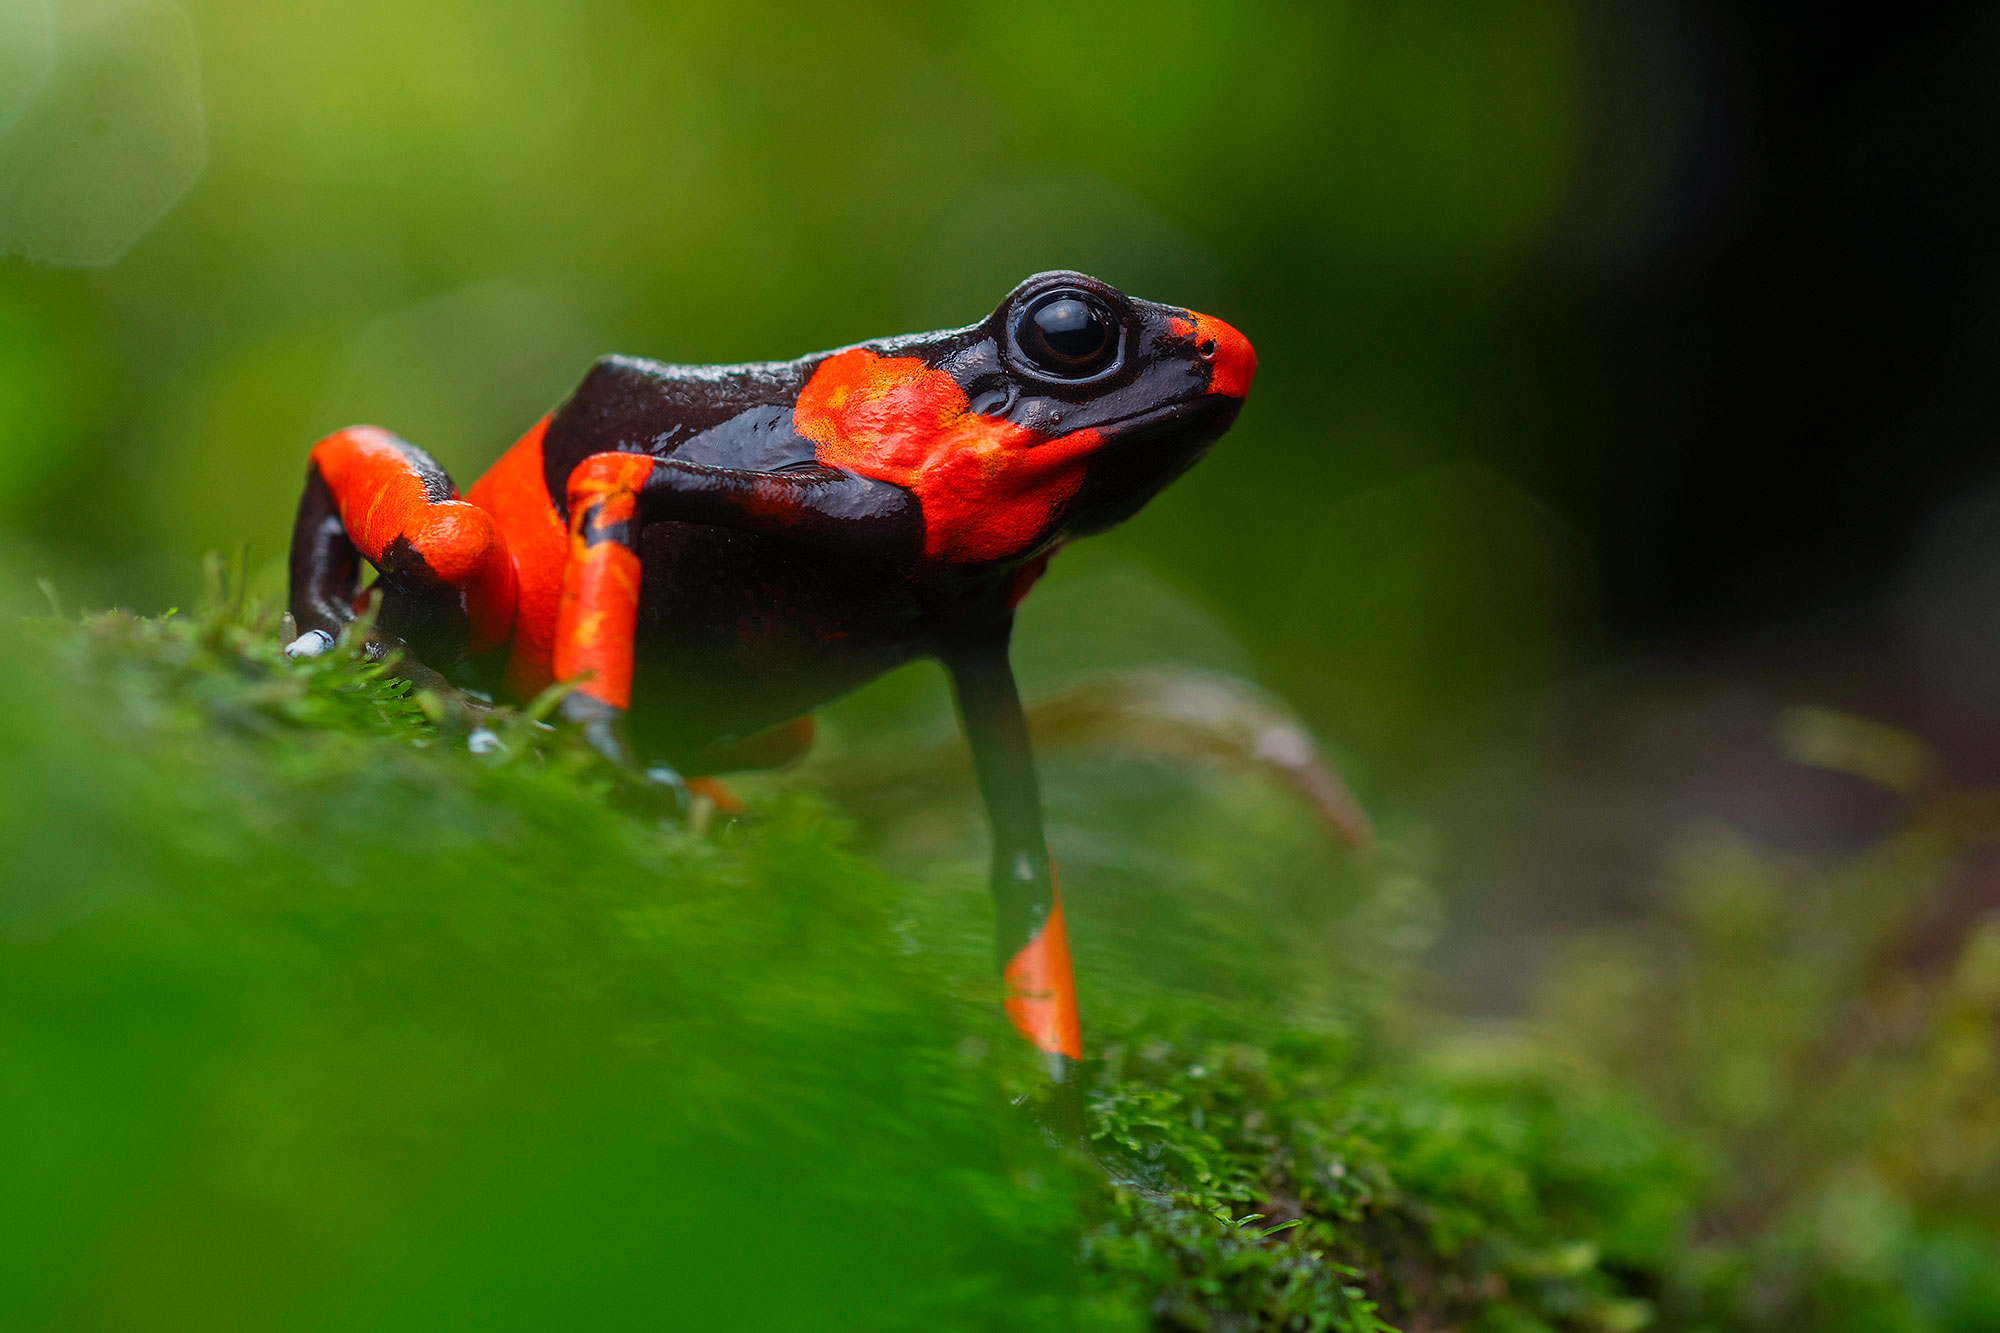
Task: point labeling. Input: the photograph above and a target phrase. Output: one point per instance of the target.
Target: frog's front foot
(602, 726)
(657, 786)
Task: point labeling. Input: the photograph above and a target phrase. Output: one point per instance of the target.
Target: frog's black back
(737, 631)
(745, 629)
(726, 416)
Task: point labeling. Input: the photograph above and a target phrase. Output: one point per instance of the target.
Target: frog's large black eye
(1069, 334)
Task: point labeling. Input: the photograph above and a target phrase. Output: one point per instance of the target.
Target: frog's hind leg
(779, 747)
(448, 583)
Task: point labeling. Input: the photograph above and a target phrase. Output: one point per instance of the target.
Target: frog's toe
(310, 644)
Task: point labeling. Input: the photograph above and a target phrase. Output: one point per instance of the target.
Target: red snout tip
(1233, 360)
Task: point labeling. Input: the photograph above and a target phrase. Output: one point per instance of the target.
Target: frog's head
(1149, 387)
(1058, 416)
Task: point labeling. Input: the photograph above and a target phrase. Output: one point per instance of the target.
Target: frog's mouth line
(1209, 413)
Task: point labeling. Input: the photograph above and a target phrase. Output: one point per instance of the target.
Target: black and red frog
(712, 552)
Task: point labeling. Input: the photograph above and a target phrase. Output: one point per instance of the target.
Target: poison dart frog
(712, 552)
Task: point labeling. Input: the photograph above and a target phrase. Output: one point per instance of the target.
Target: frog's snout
(1232, 361)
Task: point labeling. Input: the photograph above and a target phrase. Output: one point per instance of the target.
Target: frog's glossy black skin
(739, 630)
(774, 577)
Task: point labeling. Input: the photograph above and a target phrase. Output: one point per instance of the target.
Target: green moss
(1481, 1189)
(1827, 1034)
(308, 1016)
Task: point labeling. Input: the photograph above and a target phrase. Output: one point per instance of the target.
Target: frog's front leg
(1033, 944)
(612, 496)
(599, 607)
(447, 579)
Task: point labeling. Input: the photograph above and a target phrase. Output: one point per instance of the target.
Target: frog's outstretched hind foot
(1171, 712)
(455, 711)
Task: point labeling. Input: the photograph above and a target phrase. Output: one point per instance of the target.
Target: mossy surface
(311, 1018)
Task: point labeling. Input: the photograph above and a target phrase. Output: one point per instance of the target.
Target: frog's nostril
(1231, 362)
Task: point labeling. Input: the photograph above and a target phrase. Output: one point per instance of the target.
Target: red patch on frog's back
(987, 487)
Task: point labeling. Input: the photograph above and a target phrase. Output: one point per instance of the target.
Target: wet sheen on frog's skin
(713, 552)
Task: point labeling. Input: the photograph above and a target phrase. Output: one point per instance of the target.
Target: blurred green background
(433, 217)
(1625, 369)
(1581, 326)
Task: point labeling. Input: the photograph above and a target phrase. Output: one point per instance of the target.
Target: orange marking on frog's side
(988, 488)
(516, 494)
